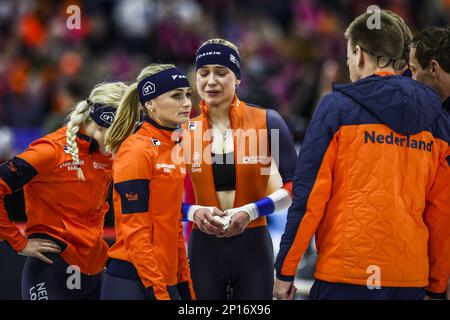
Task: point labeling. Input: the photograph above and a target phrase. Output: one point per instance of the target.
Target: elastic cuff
(184, 210)
(285, 278)
(266, 205)
(435, 295)
(19, 244)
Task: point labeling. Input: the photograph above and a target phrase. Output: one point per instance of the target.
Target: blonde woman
(65, 176)
(148, 260)
(231, 177)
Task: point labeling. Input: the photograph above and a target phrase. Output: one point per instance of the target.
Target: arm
(283, 153)
(39, 158)
(311, 189)
(132, 174)
(437, 218)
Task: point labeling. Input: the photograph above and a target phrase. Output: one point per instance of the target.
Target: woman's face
(216, 84)
(98, 133)
(172, 108)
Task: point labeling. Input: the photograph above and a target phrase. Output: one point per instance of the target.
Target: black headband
(102, 115)
(218, 54)
(157, 84)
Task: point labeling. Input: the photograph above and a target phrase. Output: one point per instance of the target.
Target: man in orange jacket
(367, 180)
(430, 64)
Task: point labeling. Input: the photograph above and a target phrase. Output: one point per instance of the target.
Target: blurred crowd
(291, 50)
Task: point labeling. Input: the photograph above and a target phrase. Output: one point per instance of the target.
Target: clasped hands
(223, 224)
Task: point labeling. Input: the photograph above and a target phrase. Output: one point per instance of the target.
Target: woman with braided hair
(65, 177)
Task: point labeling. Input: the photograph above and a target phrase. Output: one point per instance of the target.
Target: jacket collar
(155, 130)
(87, 142)
(384, 73)
(157, 125)
(236, 112)
(446, 104)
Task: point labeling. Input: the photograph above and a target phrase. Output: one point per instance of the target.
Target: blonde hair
(104, 93)
(221, 41)
(129, 110)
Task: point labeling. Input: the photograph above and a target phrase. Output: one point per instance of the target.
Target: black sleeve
(17, 173)
(282, 147)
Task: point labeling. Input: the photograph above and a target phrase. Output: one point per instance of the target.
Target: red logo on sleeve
(132, 196)
(12, 167)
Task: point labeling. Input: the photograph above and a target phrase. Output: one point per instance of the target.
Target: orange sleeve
(132, 174)
(302, 224)
(311, 188)
(39, 158)
(42, 155)
(437, 218)
(184, 274)
(8, 230)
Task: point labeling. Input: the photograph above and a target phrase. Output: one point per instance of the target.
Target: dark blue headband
(155, 85)
(218, 54)
(103, 115)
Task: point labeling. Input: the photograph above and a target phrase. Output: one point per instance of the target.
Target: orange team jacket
(372, 184)
(148, 194)
(252, 156)
(58, 205)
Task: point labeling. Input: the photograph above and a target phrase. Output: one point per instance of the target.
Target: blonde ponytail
(104, 93)
(126, 118)
(129, 110)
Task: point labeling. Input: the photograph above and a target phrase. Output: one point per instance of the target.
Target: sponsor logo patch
(148, 88)
(156, 142)
(12, 167)
(132, 196)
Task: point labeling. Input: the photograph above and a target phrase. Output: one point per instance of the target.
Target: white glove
(250, 208)
(194, 208)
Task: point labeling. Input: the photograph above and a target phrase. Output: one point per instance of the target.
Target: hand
(284, 290)
(239, 221)
(206, 222)
(35, 248)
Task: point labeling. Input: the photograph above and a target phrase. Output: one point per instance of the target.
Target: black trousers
(121, 282)
(57, 281)
(237, 268)
(322, 290)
